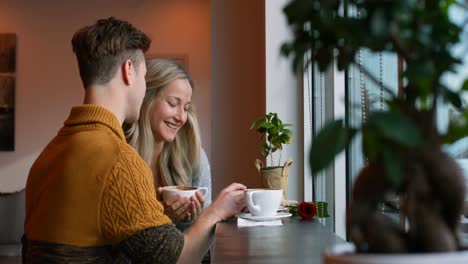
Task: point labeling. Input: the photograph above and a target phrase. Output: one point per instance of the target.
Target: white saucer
(282, 208)
(265, 218)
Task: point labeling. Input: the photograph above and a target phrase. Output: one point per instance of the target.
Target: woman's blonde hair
(180, 158)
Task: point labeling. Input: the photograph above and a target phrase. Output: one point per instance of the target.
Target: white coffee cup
(183, 191)
(263, 202)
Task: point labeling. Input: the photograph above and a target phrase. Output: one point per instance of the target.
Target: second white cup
(263, 202)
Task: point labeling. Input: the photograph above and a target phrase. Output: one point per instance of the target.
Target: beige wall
(47, 77)
(238, 89)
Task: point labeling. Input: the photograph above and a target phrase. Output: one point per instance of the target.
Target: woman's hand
(177, 208)
(182, 209)
(196, 207)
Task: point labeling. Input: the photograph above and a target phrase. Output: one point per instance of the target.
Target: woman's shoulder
(204, 165)
(203, 156)
(203, 168)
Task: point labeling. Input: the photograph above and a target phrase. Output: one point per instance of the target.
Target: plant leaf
(392, 165)
(265, 149)
(371, 143)
(277, 145)
(285, 138)
(257, 123)
(457, 129)
(452, 97)
(267, 125)
(331, 140)
(465, 85)
(395, 127)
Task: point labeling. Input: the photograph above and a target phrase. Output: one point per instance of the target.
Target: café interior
(232, 50)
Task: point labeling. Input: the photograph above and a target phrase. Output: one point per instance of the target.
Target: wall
(284, 95)
(47, 77)
(238, 89)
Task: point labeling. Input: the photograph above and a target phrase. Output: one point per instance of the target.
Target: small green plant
(275, 132)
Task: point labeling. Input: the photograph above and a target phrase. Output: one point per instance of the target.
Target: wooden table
(296, 241)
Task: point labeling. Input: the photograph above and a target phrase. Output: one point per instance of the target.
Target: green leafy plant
(401, 144)
(275, 134)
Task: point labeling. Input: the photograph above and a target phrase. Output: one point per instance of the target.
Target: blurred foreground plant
(401, 144)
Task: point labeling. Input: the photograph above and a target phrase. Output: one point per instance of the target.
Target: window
(445, 113)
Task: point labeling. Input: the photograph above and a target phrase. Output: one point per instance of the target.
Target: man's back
(88, 187)
(65, 185)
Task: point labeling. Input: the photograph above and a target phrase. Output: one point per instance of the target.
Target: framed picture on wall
(7, 91)
(181, 59)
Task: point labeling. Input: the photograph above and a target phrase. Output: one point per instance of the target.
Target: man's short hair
(102, 48)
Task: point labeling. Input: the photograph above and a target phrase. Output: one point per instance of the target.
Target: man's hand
(230, 202)
(197, 238)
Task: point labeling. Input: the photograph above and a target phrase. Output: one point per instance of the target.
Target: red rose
(307, 210)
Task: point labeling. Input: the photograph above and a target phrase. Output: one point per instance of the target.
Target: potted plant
(402, 145)
(275, 134)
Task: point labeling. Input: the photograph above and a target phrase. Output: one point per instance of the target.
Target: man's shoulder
(123, 156)
(94, 139)
(101, 146)
(130, 160)
(127, 151)
(103, 143)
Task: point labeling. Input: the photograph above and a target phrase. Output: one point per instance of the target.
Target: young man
(90, 198)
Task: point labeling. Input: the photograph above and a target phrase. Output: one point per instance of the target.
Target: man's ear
(128, 72)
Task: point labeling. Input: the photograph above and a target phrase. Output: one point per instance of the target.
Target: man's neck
(108, 97)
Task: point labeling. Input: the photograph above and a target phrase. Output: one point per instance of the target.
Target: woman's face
(168, 111)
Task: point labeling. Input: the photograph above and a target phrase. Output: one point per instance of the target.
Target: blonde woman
(167, 137)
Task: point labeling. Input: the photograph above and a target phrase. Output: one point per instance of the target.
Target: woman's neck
(158, 147)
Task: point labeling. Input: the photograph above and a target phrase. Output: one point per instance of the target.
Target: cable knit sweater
(89, 189)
